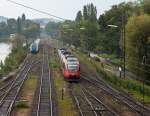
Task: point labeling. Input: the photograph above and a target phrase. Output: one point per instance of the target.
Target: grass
(130, 86)
(65, 106)
(107, 56)
(54, 64)
(117, 61)
(27, 93)
(30, 84)
(22, 104)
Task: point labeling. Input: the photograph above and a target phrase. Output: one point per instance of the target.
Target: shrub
(22, 104)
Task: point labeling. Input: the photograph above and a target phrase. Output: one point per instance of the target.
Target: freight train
(71, 66)
(34, 47)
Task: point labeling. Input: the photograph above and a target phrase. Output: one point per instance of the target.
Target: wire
(43, 12)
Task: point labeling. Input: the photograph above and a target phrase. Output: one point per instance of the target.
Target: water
(5, 50)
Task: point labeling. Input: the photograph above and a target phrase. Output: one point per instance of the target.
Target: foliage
(54, 64)
(12, 24)
(79, 16)
(15, 57)
(84, 30)
(137, 40)
(22, 104)
(32, 31)
(145, 6)
(128, 85)
(110, 36)
(21, 26)
(3, 29)
(52, 29)
(107, 56)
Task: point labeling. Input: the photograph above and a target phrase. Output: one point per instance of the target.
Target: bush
(13, 60)
(54, 64)
(130, 85)
(22, 104)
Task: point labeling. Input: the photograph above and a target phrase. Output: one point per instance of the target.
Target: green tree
(12, 25)
(23, 18)
(3, 29)
(32, 31)
(52, 29)
(19, 25)
(137, 45)
(145, 5)
(78, 17)
(23, 21)
(85, 13)
(117, 15)
(92, 13)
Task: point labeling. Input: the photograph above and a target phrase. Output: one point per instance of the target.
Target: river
(5, 50)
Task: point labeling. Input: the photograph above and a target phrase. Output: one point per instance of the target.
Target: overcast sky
(63, 8)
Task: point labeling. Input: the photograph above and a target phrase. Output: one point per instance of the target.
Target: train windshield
(73, 67)
(72, 60)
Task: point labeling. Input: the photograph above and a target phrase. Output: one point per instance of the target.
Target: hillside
(44, 21)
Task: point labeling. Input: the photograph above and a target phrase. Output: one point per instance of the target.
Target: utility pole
(124, 42)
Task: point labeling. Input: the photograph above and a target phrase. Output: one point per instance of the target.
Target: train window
(73, 67)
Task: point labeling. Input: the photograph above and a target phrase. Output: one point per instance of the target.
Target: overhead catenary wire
(37, 10)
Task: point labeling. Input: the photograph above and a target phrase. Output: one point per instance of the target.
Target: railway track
(135, 106)
(12, 89)
(7, 85)
(89, 105)
(43, 105)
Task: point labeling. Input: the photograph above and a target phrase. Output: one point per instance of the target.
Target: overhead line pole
(124, 42)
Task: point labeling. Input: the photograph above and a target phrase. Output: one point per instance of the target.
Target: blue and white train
(34, 48)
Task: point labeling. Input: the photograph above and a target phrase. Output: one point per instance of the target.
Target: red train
(71, 66)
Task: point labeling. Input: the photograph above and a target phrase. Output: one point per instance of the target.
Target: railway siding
(9, 97)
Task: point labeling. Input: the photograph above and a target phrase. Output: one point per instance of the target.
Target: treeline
(95, 34)
(52, 28)
(21, 25)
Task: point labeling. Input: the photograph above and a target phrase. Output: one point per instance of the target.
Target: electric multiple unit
(71, 66)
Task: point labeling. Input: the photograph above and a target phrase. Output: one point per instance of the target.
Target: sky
(66, 9)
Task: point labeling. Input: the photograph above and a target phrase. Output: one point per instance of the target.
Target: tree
(137, 45)
(89, 36)
(23, 18)
(145, 5)
(85, 13)
(78, 17)
(92, 12)
(12, 25)
(19, 25)
(52, 28)
(3, 29)
(32, 31)
(112, 36)
(23, 21)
